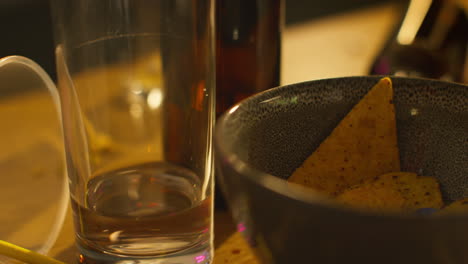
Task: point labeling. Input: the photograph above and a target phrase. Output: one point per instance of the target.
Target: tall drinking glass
(136, 82)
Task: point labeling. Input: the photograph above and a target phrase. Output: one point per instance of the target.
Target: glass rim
(63, 194)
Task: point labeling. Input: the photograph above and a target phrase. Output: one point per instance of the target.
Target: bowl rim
(292, 190)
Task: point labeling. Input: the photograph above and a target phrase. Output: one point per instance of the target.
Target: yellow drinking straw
(25, 255)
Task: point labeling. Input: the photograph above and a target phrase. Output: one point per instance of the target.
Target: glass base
(202, 254)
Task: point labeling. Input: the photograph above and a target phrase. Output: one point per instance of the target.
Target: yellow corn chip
(460, 206)
(370, 197)
(398, 191)
(361, 147)
(418, 191)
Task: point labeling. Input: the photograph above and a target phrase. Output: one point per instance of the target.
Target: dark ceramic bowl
(262, 140)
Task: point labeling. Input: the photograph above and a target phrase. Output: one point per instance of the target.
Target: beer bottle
(431, 42)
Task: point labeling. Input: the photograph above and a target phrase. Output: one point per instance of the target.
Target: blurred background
(25, 25)
(321, 39)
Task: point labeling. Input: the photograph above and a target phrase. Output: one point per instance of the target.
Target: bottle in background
(431, 42)
(248, 47)
(248, 52)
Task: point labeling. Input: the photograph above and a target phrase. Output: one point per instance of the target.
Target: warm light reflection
(114, 236)
(271, 99)
(155, 98)
(233, 109)
(401, 73)
(235, 34)
(135, 87)
(414, 17)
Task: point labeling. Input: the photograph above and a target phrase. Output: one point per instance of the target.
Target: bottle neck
(431, 23)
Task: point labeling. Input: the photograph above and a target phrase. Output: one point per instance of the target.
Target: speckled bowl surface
(262, 140)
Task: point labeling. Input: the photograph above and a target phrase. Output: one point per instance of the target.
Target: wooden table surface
(339, 45)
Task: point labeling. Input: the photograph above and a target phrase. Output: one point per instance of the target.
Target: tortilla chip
(460, 206)
(398, 191)
(361, 147)
(375, 198)
(418, 191)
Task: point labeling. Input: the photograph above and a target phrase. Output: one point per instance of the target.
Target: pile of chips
(358, 164)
